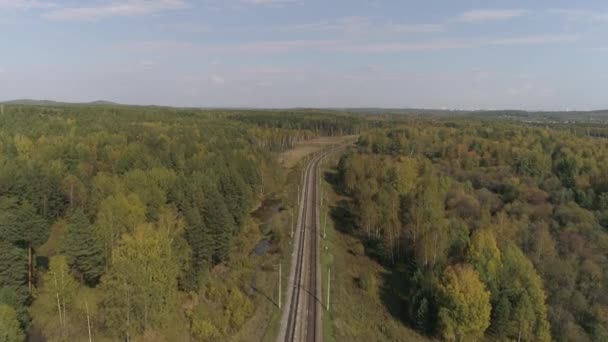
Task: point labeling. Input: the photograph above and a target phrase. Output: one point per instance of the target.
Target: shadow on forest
(394, 282)
(332, 178)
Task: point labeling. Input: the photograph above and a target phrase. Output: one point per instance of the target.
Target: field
(291, 157)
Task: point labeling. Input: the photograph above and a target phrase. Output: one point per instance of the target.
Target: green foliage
(55, 312)
(13, 270)
(490, 195)
(485, 257)
(212, 323)
(83, 249)
(118, 214)
(524, 290)
(10, 330)
(141, 285)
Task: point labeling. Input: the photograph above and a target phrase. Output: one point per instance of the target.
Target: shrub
(367, 282)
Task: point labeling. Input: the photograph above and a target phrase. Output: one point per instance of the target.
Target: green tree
(61, 286)
(485, 257)
(13, 270)
(426, 223)
(523, 287)
(23, 227)
(10, 330)
(464, 304)
(118, 214)
(83, 249)
(141, 286)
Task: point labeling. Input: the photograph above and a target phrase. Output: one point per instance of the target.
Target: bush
(367, 282)
(358, 249)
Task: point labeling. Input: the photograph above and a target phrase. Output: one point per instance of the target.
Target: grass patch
(292, 157)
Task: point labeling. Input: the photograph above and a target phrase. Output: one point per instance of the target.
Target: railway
(301, 316)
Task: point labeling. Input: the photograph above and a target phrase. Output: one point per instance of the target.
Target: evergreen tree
(83, 249)
(218, 220)
(13, 270)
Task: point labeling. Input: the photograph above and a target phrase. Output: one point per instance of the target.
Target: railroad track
(301, 316)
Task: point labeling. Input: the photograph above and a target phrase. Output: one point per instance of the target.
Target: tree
(523, 287)
(425, 219)
(13, 270)
(59, 283)
(485, 257)
(23, 227)
(141, 286)
(83, 249)
(464, 304)
(10, 330)
(118, 214)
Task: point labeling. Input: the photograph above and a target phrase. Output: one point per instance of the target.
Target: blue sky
(285, 53)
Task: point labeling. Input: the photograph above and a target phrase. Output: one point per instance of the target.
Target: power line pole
(325, 226)
(292, 224)
(280, 264)
(328, 286)
(88, 321)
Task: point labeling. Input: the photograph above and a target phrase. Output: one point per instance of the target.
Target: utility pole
(280, 264)
(325, 226)
(292, 224)
(328, 286)
(88, 320)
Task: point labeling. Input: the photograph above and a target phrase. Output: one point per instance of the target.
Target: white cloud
(535, 39)
(359, 25)
(477, 16)
(25, 4)
(581, 15)
(116, 9)
(187, 27)
(422, 28)
(345, 45)
(218, 79)
(268, 3)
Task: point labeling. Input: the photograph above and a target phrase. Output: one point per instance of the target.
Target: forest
(115, 219)
(498, 230)
(112, 216)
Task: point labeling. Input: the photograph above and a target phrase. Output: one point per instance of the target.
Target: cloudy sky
(542, 54)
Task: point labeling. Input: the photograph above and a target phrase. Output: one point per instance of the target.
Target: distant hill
(30, 102)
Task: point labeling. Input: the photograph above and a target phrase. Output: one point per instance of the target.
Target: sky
(534, 55)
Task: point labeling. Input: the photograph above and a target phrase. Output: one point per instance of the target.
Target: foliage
(10, 330)
(83, 249)
(464, 304)
(141, 285)
(523, 205)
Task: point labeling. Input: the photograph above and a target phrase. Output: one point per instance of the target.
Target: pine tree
(13, 270)
(219, 222)
(83, 249)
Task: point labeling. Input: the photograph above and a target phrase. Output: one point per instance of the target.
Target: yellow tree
(464, 304)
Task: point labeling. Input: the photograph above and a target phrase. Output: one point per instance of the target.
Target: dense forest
(111, 216)
(498, 229)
